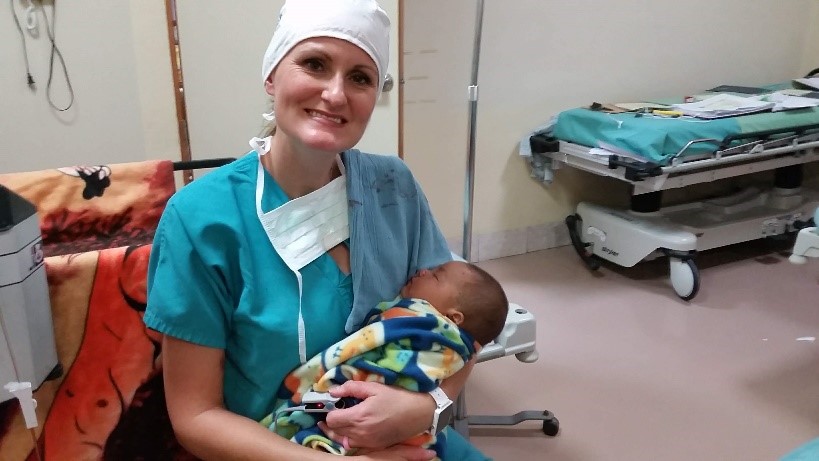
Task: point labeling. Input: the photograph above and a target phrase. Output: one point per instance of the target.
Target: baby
(415, 341)
(464, 293)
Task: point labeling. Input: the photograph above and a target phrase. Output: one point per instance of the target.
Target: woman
(244, 292)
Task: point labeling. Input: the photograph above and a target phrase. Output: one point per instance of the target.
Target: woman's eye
(362, 79)
(313, 64)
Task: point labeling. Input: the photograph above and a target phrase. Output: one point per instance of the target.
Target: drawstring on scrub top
(304, 228)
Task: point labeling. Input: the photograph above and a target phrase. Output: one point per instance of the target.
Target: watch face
(445, 419)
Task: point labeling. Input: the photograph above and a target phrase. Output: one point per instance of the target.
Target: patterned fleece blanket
(405, 343)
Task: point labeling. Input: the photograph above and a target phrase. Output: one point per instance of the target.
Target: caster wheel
(527, 357)
(685, 278)
(575, 225)
(551, 426)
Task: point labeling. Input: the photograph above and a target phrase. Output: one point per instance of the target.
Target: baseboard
(514, 241)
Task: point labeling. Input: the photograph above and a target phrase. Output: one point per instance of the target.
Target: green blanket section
(659, 138)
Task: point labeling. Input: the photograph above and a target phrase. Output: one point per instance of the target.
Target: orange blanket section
(110, 402)
(91, 208)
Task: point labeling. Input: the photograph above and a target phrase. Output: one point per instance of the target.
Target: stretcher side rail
(651, 177)
(763, 144)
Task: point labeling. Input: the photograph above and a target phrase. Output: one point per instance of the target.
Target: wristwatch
(443, 411)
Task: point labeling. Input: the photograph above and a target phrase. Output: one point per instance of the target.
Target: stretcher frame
(647, 231)
(645, 177)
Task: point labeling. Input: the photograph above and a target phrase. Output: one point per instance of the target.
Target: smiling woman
(284, 269)
(324, 92)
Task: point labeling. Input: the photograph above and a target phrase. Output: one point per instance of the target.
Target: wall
(810, 54)
(119, 67)
(541, 56)
(538, 57)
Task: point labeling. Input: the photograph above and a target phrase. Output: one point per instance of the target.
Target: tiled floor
(635, 373)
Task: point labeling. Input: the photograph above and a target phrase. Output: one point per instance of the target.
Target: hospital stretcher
(722, 150)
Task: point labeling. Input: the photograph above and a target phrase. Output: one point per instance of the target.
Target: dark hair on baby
(484, 304)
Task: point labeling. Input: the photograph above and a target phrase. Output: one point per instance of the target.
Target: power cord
(55, 51)
(279, 413)
(29, 78)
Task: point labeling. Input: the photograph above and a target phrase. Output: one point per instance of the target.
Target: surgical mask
(304, 228)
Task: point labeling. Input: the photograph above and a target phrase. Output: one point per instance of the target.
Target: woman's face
(324, 91)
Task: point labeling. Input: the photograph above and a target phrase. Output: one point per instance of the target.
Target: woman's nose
(334, 91)
(422, 273)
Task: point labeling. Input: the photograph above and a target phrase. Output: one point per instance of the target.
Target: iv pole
(461, 422)
(469, 189)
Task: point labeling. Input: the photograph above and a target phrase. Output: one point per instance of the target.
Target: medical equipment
(517, 338)
(647, 230)
(28, 354)
(323, 402)
(518, 335)
(807, 242)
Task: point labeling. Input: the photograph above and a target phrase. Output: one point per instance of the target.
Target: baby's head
(466, 294)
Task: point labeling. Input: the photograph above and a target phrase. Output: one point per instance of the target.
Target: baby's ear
(456, 316)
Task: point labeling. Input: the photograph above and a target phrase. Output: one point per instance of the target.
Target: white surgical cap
(360, 22)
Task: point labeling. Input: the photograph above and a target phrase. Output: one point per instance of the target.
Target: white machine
(28, 354)
(807, 243)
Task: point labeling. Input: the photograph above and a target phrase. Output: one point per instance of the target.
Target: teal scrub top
(214, 279)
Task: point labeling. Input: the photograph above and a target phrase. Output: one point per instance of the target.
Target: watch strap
(442, 405)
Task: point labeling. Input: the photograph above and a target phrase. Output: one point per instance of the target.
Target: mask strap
(302, 333)
(341, 166)
(257, 144)
(261, 145)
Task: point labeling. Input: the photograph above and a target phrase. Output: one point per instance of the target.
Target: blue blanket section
(653, 137)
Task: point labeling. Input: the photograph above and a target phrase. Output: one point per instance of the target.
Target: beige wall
(541, 56)
(810, 56)
(118, 63)
(538, 57)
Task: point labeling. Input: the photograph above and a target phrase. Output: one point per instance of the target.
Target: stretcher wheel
(574, 223)
(551, 426)
(685, 277)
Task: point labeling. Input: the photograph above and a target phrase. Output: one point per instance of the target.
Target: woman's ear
(456, 316)
(268, 85)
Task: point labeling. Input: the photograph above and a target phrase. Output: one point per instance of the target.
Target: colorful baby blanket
(405, 343)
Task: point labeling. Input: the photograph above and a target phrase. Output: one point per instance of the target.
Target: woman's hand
(386, 416)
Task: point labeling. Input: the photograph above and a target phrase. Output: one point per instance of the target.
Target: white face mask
(304, 228)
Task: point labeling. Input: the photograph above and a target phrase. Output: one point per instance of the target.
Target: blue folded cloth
(392, 231)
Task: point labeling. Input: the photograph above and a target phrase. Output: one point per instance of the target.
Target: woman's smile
(326, 117)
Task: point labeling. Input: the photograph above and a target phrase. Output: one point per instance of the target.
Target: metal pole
(469, 189)
(461, 422)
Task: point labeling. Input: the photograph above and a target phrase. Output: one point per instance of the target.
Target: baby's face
(439, 286)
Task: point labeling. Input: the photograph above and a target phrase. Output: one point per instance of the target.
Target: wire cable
(55, 51)
(283, 411)
(29, 78)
